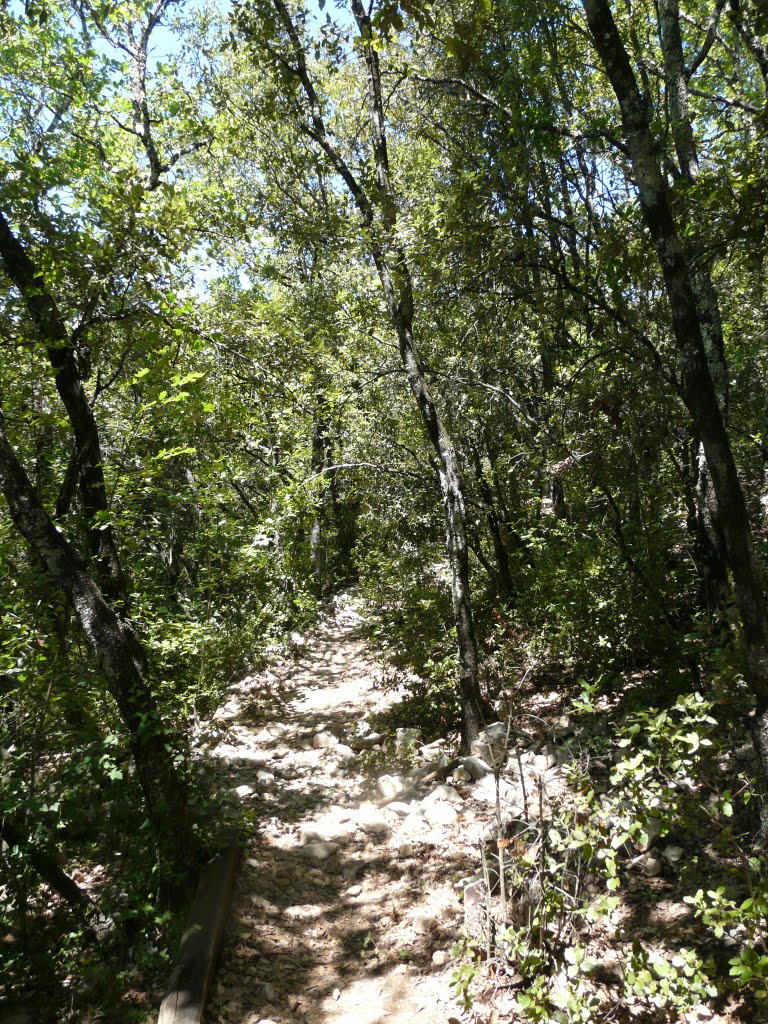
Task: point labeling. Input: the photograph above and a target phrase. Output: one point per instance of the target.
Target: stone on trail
(439, 958)
(442, 794)
(476, 767)
(413, 824)
(389, 785)
(368, 742)
(264, 778)
(372, 819)
(277, 728)
(673, 854)
(243, 791)
(400, 808)
(319, 850)
(423, 923)
(344, 753)
(405, 850)
(441, 814)
(324, 740)
(648, 863)
(491, 744)
(312, 834)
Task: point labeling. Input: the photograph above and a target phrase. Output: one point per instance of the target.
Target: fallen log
(195, 966)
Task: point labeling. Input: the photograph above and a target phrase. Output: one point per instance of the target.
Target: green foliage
(570, 876)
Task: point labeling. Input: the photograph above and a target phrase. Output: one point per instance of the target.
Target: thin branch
(709, 39)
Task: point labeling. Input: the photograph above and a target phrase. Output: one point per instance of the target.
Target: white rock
(312, 834)
(318, 851)
(243, 791)
(372, 819)
(475, 767)
(405, 850)
(354, 890)
(648, 863)
(442, 794)
(673, 854)
(277, 728)
(323, 740)
(424, 923)
(413, 824)
(491, 744)
(368, 742)
(389, 785)
(264, 778)
(344, 753)
(562, 727)
(400, 808)
(439, 958)
(441, 814)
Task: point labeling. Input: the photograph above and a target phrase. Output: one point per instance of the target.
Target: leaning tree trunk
(86, 462)
(120, 657)
(396, 282)
(690, 334)
(379, 221)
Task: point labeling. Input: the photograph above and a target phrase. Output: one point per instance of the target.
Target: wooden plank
(195, 966)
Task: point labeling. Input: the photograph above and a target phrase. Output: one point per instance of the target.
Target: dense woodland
(458, 303)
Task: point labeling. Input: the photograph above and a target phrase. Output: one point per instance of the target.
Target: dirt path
(345, 910)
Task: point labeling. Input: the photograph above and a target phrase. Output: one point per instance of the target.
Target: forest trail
(344, 910)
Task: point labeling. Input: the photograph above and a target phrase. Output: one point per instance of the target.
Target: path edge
(196, 961)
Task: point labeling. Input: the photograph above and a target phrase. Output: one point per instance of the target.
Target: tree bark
(47, 867)
(689, 332)
(87, 458)
(379, 219)
(709, 543)
(502, 571)
(120, 657)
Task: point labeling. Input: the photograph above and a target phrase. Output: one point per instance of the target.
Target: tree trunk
(503, 571)
(87, 457)
(120, 658)
(47, 867)
(709, 546)
(379, 218)
(321, 458)
(689, 333)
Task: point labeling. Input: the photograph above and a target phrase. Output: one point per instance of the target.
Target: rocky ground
(350, 895)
